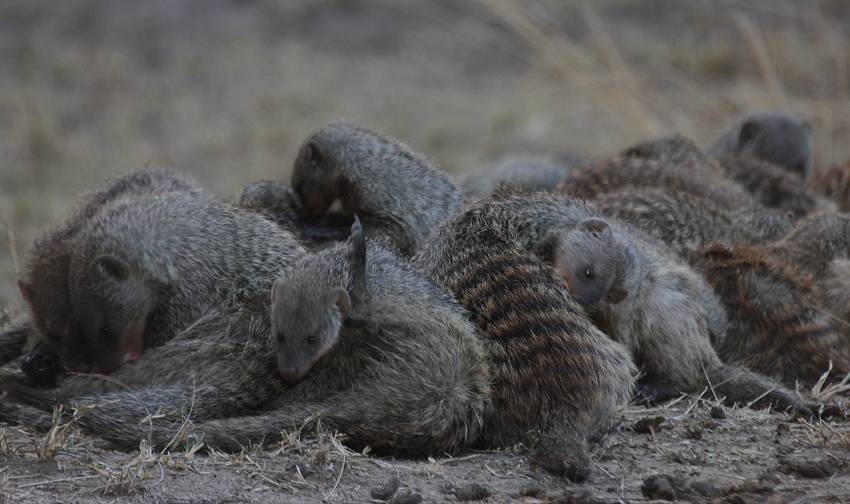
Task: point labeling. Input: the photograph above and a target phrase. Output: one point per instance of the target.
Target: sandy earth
(679, 450)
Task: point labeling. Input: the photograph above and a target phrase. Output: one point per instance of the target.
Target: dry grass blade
(822, 392)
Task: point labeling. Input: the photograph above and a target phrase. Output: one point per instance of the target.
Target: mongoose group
(418, 316)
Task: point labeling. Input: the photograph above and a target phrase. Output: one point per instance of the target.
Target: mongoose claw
(576, 471)
(648, 394)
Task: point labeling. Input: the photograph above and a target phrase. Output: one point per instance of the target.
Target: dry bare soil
(226, 90)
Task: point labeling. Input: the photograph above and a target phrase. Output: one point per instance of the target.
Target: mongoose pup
(686, 222)
(44, 283)
(776, 324)
(146, 267)
(624, 172)
(557, 379)
(396, 191)
(519, 174)
(368, 345)
(659, 308)
(782, 139)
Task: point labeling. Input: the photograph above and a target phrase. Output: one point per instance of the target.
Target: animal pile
(417, 318)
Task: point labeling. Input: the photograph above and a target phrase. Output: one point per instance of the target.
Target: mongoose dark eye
(104, 330)
(313, 153)
(588, 273)
(311, 339)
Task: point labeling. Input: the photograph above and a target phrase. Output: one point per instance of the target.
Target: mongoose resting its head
(555, 373)
(776, 323)
(686, 222)
(675, 150)
(44, 283)
(306, 316)
(782, 139)
(148, 266)
(407, 373)
(520, 175)
(634, 172)
(591, 266)
(397, 192)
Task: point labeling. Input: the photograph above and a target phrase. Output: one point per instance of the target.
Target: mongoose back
(776, 324)
(834, 185)
(815, 242)
(675, 150)
(396, 191)
(369, 346)
(555, 373)
(149, 266)
(519, 174)
(782, 139)
(44, 283)
(666, 314)
(623, 172)
(771, 185)
(686, 222)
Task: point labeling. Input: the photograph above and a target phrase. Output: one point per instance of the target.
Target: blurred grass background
(226, 89)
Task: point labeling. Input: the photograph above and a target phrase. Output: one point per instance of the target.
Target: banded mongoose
(44, 283)
(776, 323)
(396, 191)
(555, 374)
(634, 172)
(146, 267)
(782, 139)
(771, 185)
(521, 175)
(686, 222)
(815, 242)
(675, 150)
(668, 314)
(279, 203)
(396, 364)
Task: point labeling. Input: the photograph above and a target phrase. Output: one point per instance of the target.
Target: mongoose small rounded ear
(343, 301)
(597, 227)
(617, 296)
(113, 266)
(357, 260)
(750, 130)
(26, 290)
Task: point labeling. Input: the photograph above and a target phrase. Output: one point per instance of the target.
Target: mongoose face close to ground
(307, 315)
(589, 259)
(397, 192)
(44, 285)
(782, 139)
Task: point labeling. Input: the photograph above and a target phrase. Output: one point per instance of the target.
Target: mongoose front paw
(575, 468)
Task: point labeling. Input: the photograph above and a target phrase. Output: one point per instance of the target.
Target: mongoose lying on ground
(660, 309)
(397, 192)
(555, 374)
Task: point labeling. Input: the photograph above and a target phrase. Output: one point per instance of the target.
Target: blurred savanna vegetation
(227, 89)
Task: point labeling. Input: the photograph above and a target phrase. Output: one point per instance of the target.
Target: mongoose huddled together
(367, 295)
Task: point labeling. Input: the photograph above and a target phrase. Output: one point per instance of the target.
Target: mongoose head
(317, 177)
(782, 139)
(589, 259)
(310, 303)
(109, 323)
(50, 307)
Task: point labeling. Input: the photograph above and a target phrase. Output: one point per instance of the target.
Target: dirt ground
(226, 90)
(683, 450)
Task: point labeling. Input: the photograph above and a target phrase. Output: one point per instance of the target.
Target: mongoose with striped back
(784, 140)
(769, 184)
(557, 378)
(776, 323)
(666, 315)
(833, 184)
(397, 192)
(686, 222)
(675, 150)
(662, 310)
(368, 345)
